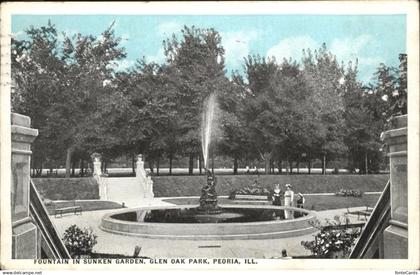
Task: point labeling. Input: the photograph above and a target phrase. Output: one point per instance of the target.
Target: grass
(313, 202)
(86, 205)
(177, 186)
(67, 188)
(173, 186)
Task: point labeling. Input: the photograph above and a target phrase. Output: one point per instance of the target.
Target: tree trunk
(324, 164)
(309, 166)
(366, 164)
(133, 164)
(291, 166)
(73, 168)
(271, 166)
(151, 166)
(235, 166)
(191, 165)
(200, 164)
(280, 167)
(297, 165)
(267, 162)
(39, 170)
(69, 153)
(42, 168)
(170, 164)
(157, 166)
(212, 163)
(82, 167)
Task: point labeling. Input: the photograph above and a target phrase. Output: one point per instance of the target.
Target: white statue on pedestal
(144, 179)
(97, 173)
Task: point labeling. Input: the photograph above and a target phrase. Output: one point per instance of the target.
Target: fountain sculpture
(208, 220)
(208, 199)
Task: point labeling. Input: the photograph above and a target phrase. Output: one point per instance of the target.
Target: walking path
(155, 248)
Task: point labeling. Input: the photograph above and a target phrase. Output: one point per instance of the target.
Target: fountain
(208, 220)
(208, 199)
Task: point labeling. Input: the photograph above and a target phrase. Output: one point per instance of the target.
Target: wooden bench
(360, 213)
(70, 209)
(365, 213)
(251, 197)
(345, 226)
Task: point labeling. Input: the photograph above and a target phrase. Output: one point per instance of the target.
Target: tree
(324, 78)
(364, 121)
(233, 128)
(368, 110)
(60, 84)
(37, 71)
(277, 110)
(91, 66)
(195, 68)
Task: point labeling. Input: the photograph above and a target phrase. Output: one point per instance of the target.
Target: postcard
(211, 136)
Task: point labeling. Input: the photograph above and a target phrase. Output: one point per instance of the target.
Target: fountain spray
(206, 129)
(208, 199)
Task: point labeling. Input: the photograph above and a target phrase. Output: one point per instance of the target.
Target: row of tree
(277, 111)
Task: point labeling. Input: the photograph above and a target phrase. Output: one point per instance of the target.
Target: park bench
(251, 197)
(345, 226)
(365, 213)
(70, 209)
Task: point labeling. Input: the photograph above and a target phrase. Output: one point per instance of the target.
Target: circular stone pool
(184, 222)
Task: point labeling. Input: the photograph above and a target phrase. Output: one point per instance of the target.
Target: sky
(371, 39)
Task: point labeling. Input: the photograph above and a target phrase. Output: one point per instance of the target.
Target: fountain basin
(231, 224)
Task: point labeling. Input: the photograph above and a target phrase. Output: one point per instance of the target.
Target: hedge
(173, 186)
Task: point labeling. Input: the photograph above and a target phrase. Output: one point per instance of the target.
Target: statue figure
(208, 199)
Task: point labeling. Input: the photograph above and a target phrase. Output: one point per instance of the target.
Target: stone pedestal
(25, 241)
(396, 234)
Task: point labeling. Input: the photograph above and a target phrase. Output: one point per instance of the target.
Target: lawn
(174, 186)
(178, 186)
(313, 202)
(67, 188)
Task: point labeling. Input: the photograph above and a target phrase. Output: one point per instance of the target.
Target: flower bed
(248, 192)
(332, 243)
(349, 193)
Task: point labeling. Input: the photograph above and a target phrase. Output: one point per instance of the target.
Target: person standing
(288, 202)
(277, 195)
(300, 202)
(284, 254)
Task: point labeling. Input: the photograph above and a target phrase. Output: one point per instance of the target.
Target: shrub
(329, 241)
(79, 242)
(349, 193)
(254, 189)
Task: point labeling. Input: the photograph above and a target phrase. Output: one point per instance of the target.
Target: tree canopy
(276, 110)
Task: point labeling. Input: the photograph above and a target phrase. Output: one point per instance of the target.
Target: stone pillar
(143, 178)
(25, 241)
(97, 175)
(396, 234)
